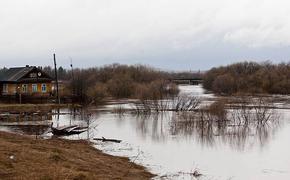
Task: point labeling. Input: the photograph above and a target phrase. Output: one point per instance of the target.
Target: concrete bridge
(191, 81)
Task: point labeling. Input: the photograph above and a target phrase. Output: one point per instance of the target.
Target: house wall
(13, 88)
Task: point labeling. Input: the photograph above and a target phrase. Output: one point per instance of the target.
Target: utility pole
(73, 80)
(72, 69)
(56, 79)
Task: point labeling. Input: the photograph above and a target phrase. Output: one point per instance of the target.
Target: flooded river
(176, 152)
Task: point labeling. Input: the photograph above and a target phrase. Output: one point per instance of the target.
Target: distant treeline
(249, 77)
(115, 80)
(121, 81)
(106, 73)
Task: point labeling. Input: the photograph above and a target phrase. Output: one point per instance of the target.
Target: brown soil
(22, 157)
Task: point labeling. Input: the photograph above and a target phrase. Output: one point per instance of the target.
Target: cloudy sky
(168, 34)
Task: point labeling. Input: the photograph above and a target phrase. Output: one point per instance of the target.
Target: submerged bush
(218, 109)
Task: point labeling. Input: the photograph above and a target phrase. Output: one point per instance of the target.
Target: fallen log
(67, 130)
(107, 140)
(58, 132)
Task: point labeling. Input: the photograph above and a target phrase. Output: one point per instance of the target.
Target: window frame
(5, 88)
(24, 90)
(34, 88)
(43, 88)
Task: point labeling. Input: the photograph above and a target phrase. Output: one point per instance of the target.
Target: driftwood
(67, 130)
(108, 140)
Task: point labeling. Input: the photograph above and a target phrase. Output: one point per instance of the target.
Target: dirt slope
(22, 157)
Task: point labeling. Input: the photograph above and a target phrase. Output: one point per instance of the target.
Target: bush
(224, 84)
(249, 77)
(119, 81)
(121, 86)
(218, 109)
(97, 93)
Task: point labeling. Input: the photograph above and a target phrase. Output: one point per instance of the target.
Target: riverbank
(22, 157)
(6, 107)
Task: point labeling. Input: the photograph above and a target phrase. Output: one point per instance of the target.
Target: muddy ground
(23, 157)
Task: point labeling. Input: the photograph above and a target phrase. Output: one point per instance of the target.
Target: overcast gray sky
(168, 34)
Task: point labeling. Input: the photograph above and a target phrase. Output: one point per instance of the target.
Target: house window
(43, 87)
(24, 88)
(5, 88)
(34, 87)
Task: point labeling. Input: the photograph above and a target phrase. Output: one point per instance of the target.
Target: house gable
(25, 74)
(35, 75)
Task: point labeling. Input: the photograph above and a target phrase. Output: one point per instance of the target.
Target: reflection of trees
(152, 124)
(237, 127)
(246, 122)
(176, 103)
(85, 118)
(142, 123)
(30, 129)
(193, 124)
(30, 123)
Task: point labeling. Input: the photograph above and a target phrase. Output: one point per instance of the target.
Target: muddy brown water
(174, 151)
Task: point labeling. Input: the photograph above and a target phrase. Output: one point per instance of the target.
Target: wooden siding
(11, 89)
(17, 88)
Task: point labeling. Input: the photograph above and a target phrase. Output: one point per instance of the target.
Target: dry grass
(61, 159)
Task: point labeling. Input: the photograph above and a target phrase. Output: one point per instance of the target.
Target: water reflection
(208, 129)
(33, 129)
(153, 125)
(175, 143)
(205, 128)
(30, 123)
(82, 117)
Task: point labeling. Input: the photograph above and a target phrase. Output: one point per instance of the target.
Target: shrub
(224, 84)
(97, 93)
(249, 77)
(121, 86)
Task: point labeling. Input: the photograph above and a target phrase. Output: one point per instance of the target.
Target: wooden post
(56, 79)
(72, 69)
(73, 79)
(19, 94)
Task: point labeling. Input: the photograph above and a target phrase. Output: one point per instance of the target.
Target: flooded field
(175, 149)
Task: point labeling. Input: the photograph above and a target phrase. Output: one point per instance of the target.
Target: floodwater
(173, 151)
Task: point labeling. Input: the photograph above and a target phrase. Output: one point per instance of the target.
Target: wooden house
(26, 81)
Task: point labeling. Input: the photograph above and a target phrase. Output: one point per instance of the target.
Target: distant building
(27, 81)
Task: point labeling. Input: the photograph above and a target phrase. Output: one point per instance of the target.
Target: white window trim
(43, 85)
(34, 90)
(5, 88)
(26, 88)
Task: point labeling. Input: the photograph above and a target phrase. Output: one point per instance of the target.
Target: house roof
(15, 74)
